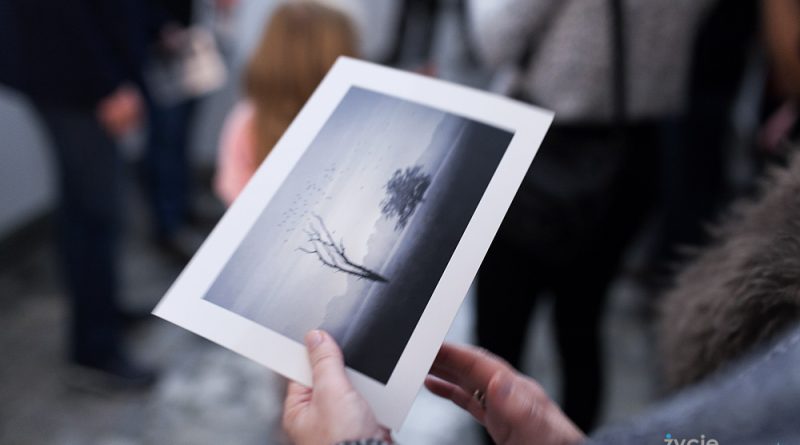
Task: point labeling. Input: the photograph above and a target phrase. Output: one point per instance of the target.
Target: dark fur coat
(741, 290)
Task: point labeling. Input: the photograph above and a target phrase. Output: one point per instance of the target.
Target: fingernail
(313, 339)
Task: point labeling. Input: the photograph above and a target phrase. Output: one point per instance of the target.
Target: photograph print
(357, 237)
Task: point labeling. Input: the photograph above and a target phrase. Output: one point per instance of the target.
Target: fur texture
(741, 290)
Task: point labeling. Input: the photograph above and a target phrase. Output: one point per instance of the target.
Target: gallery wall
(25, 175)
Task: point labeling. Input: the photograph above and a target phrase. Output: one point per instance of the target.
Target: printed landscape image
(357, 237)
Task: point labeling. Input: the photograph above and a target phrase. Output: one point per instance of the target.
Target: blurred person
(299, 45)
(781, 25)
(171, 105)
(78, 63)
(613, 71)
(781, 33)
(694, 183)
(416, 28)
(165, 163)
(372, 21)
(414, 35)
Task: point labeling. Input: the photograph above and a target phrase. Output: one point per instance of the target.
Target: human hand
(331, 411)
(121, 111)
(514, 408)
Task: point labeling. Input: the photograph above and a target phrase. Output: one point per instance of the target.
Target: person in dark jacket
(79, 62)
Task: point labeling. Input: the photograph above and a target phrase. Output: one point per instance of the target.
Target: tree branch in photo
(332, 254)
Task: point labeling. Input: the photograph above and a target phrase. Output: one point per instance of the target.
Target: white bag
(186, 67)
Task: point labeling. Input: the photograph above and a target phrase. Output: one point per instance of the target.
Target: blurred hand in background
(121, 111)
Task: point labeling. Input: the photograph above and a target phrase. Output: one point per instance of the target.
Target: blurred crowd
(669, 114)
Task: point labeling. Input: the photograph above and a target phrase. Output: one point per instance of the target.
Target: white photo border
(185, 306)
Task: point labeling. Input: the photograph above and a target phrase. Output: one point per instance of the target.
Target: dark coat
(740, 291)
(72, 53)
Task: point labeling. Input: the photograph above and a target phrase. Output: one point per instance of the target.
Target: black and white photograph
(369, 220)
(357, 237)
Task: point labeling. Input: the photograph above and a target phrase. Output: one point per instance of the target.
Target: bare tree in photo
(404, 192)
(333, 254)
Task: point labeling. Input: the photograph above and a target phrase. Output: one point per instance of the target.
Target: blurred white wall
(26, 180)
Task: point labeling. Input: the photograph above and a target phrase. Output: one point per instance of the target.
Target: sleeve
(119, 34)
(93, 40)
(502, 29)
(236, 156)
(753, 401)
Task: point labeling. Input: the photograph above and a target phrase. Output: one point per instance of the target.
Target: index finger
(468, 367)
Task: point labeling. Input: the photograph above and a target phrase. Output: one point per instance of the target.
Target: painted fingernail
(313, 339)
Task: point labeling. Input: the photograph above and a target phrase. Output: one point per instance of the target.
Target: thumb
(327, 363)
